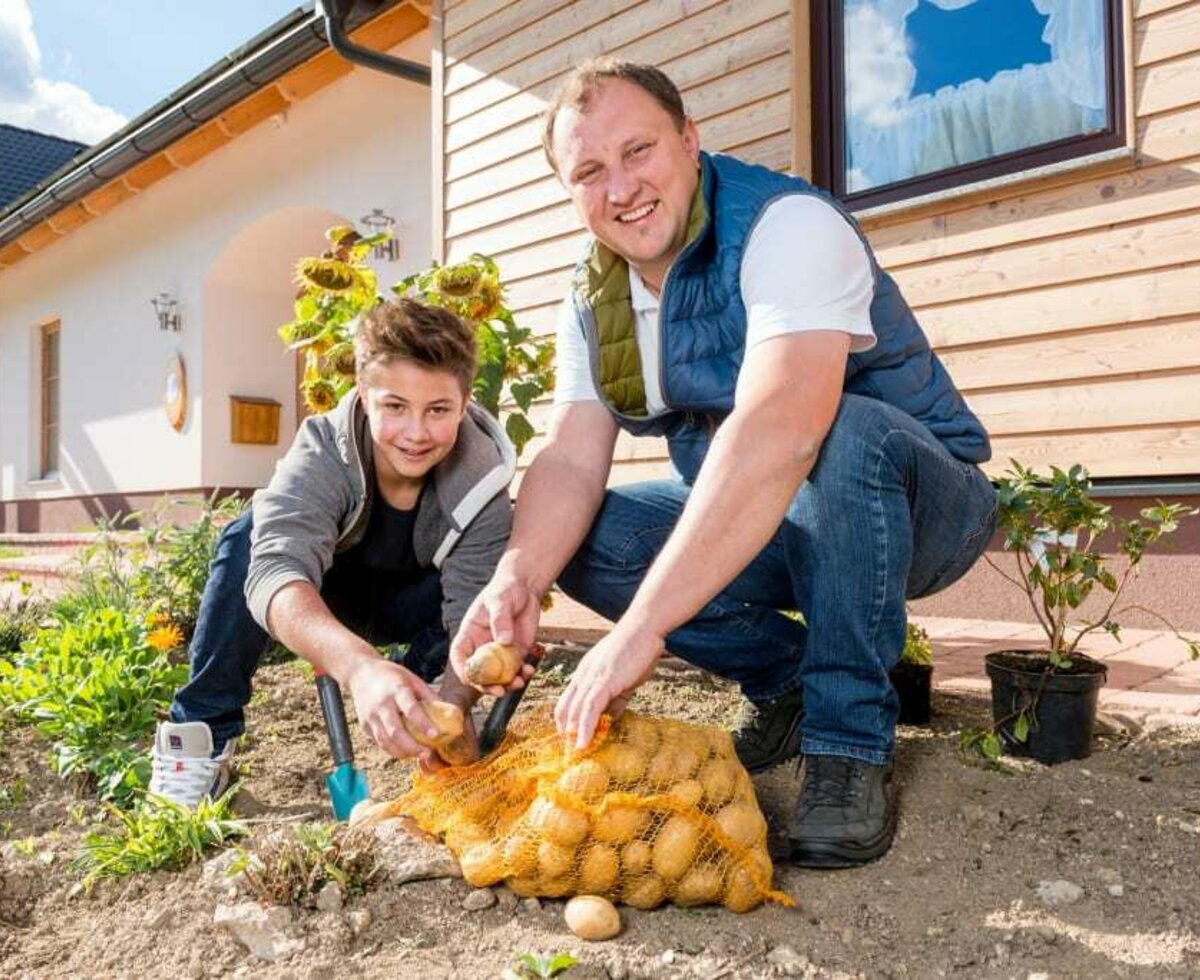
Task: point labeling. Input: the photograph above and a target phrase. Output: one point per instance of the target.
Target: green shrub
(157, 833)
(93, 688)
(19, 620)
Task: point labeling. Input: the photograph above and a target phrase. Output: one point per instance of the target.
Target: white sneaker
(184, 767)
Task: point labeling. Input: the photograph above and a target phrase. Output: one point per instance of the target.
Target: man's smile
(638, 213)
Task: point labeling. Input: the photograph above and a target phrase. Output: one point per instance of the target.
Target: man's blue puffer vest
(702, 326)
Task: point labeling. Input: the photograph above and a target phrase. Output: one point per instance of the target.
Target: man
(825, 462)
(380, 525)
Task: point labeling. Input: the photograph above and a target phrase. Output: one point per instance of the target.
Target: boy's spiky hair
(408, 330)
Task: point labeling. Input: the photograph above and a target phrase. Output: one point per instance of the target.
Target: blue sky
(81, 68)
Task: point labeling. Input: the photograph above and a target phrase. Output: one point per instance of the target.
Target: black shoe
(845, 815)
(768, 732)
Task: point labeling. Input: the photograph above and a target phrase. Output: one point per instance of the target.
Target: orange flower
(165, 638)
(157, 618)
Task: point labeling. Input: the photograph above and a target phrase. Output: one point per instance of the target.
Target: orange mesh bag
(651, 811)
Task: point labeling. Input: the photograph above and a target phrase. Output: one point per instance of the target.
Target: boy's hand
(384, 693)
(458, 694)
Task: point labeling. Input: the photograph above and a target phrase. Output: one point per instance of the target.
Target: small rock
(617, 970)
(1119, 814)
(668, 957)
(789, 962)
(360, 921)
(1086, 801)
(218, 876)
(331, 897)
(1116, 890)
(847, 936)
(507, 901)
(478, 899)
(158, 918)
(407, 855)
(261, 931)
(1108, 876)
(531, 905)
(1059, 892)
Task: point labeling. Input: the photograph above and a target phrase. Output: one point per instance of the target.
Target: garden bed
(974, 885)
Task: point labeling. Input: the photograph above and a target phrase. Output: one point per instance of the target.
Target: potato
(524, 886)
(625, 764)
(644, 892)
(587, 779)
(464, 835)
(368, 813)
(742, 822)
(689, 755)
(701, 885)
(482, 865)
(675, 847)
(664, 768)
(598, 869)
(559, 823)
(520, 853)
(719, 777)
(741, 894)
(686, 794)
(554, 860)
(593, 918)
(449, 743)
(554, 887)
(636, 857)
(618, 824)
(494, 664)
(642, 733)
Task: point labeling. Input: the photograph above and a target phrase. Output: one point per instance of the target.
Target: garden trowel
(347, 785)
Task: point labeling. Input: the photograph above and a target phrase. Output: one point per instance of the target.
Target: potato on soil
(742, 822)
(494, 664)
(593, 918)
(741, 894)
(675, 847)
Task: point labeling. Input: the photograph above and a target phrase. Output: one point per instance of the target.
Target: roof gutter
(336, 15)
(294, 39)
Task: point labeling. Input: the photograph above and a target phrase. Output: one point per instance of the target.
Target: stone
(218, 875)
(479, 899)
(261, 931)
(158, 918)
(789, 962)
(331, 897)
(360, 921)
(1116, 891)
(404, 854)
(1059, 892)
(1108, 876)
(668, 957)
(531, 905)
(507, 901)
(617, 970)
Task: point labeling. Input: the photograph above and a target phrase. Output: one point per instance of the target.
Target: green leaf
(990, 746)
(1021, 728)
(519, 429)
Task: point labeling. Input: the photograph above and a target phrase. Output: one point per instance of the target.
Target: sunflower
(165, 638)
(340, 357)
(320, 395)
(328, 275)
(487, 300)
(457, 280)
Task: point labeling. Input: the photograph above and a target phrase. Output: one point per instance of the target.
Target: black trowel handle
(334, 711)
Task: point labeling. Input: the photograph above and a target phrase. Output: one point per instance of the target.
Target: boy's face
(414, 414)
(631, 174)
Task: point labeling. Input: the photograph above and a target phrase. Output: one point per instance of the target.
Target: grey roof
(26, 157)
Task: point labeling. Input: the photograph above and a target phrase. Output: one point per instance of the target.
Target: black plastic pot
(912, 683)
(1061, 707)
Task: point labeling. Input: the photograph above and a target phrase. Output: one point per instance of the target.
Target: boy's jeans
(885, 515)
(228, 643)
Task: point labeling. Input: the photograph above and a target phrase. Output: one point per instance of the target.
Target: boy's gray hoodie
(319, 501)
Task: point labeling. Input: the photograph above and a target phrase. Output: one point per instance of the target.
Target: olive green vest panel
(602, 284)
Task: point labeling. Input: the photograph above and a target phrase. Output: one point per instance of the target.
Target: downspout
(335, 13)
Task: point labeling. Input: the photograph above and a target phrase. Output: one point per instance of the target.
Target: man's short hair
(580, 85)
(407, 330)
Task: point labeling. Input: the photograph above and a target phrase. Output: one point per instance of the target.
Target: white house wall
(222, 236)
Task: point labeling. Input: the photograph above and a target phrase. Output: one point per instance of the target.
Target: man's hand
(384, 693)
(506, 610)
(605, 678)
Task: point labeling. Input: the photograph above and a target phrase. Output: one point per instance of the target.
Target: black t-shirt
(386, 548)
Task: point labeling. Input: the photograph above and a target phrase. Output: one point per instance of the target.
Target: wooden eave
(383, 33)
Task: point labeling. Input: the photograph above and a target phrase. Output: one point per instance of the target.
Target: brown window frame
(49, 457)
(829, 134)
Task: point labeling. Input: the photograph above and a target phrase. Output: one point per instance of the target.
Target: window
(915, 96)
(50, 373)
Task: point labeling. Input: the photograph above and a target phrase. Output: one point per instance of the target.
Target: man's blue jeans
(886, 514)
(228, 644)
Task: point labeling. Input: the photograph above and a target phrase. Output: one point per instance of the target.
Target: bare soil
(958, 894)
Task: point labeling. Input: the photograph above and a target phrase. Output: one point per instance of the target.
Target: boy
(381, 524)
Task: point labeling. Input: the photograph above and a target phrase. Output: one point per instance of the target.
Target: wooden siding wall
(1069, 315)
(501, 62)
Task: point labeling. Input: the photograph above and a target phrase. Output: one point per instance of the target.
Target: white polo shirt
(803, 268)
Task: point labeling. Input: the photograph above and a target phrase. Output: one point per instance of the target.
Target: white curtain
(892, 135)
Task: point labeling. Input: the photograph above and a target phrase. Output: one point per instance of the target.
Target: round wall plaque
(175, 393)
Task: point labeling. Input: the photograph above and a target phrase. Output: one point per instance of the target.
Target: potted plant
(1044, 700)
(913, 675)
